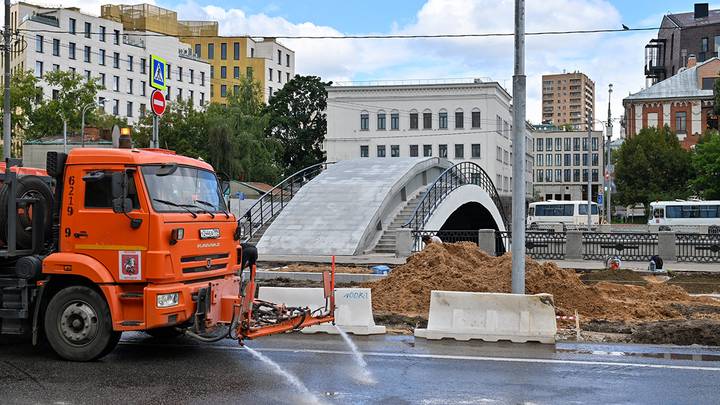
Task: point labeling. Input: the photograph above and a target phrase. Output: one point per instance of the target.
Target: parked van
(561, 212)
(684, 213)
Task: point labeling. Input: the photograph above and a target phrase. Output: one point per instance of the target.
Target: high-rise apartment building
(104, 49)
(568, 98)
(230, 58)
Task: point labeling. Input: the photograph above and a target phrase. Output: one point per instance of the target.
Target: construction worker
(427, 239)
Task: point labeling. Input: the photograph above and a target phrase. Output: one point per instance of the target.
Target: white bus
(561, 212)
(684, 213)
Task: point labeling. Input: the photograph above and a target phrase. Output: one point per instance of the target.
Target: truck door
(92, 228)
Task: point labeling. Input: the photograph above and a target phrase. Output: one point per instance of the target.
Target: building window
(381, 121)
(566, 159)
(249, 72)
(595, 143)
(191, 76)
(595, 159)
(169, 71)
(143, 109)
(364, 151)
(143, 66)
(566, 175)
(38, 69)
(102, 33)
(168, 93)
(364, 121)
(287, 77)
(539, 176)
(558, 159)
(442, 120)
(191, 97)
(116, 83)
(459, 120)
(475, 150)
(223, 72)
(101, 57)
(394, 121)
(236, 50)
(102, 79)
(88, 29)
(427, 150)
(116, 37)
(143, 84)
(270, 91)
(71, 50)
(548, 159)
(506, 129)
(680, 122)
(72, 26)
(211, 51)
(88, 51)
(202, 98)
(558, 144)
(576, 175)
(236, 89)
(576, 159)
(270, 73)
(130, 63)
(506, 159)
(584, 144)
(223, 51)
(39, 41)
(179, 95)
(413, 120)
(585, 159)
(548, 144)
(202, 78)
(381, 151)
(129, 109)
(413, 151)
(427, 120)
(558, 175)
(116, 107)
(459, 151)
(475, 119)
(442, 151)
(548, 175)
(595, 175)
(287, 60)
(116, 60)
(56, 47)
(236, 72)
(539, 143)
(566, 144)
(576, 144)
(279, 76)
(130, 86)
(394, 150)
(539, 159)
(498, 154)
(585, 175)
(223, 90)
(498, 124)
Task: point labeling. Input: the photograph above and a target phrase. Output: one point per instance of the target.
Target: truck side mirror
(119, 185)
(122, 205)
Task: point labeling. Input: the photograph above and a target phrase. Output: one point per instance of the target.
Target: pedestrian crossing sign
(158, 68)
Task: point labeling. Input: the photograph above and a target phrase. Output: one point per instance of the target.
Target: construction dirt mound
(462, 267)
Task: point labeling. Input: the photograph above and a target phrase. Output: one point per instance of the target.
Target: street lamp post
(82, 126)
(608, 161)
(589, 165)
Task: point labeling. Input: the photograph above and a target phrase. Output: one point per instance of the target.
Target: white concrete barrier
(353, 307)
(490, 317)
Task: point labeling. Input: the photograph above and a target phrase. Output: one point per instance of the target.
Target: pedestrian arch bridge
(363, 206)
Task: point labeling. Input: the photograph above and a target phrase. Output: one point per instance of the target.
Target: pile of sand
(462, 267)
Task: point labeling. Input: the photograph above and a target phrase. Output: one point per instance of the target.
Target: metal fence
(702, 248)
(446, 236)
(538, 244)
(628, 246)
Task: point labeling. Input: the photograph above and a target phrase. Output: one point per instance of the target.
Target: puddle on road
(663, 356)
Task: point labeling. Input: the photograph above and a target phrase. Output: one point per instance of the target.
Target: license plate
(209, 233)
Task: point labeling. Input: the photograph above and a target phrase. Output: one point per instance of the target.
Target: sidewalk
(364, 260)
(637, 266)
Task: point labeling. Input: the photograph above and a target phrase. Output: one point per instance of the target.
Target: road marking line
(451, 357)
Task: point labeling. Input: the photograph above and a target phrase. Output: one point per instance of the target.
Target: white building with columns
(469, 121)
(66, 39)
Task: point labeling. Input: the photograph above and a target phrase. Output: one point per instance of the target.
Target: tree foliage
(298, 122)
(706, 162)
(25, 93)
(652, 166)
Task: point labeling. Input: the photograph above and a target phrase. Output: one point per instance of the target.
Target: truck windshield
(184, 189)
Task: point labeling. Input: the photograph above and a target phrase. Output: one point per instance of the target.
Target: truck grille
(202, 263)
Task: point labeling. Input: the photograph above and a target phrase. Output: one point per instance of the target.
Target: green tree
(236, 136)
(25, 94)
(652, 166)
(706, 162)
(182, 129)
(298, 123)
(72, 91)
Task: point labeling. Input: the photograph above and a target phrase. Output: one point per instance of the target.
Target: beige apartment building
(567, 98)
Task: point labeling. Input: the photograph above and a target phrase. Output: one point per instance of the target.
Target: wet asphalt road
(143, 370)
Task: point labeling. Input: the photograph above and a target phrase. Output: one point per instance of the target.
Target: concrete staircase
(387, 243)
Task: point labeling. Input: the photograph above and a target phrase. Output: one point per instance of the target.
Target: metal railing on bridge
(461, 174)
(628, 246)
(271, 203)
(701, 248)
(538, 244)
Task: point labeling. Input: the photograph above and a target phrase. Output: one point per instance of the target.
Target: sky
(615, 58)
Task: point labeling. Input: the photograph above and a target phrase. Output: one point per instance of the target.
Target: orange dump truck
(112, 240)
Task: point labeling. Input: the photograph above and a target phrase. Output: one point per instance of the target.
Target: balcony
(654, 53)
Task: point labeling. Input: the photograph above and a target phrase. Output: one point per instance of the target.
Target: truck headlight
(168, 300)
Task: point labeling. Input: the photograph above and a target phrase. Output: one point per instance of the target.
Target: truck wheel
(168, 332)
(78, 324)
(27, 186)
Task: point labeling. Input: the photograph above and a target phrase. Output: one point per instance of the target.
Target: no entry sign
(157, 102)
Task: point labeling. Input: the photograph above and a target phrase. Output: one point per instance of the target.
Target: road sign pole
(154, 142)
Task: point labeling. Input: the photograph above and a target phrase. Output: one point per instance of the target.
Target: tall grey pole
(64, 135)
(589, 169)
(82, 129)
(608, 161)
(6, 95)
(518, 192)
(154, 142)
